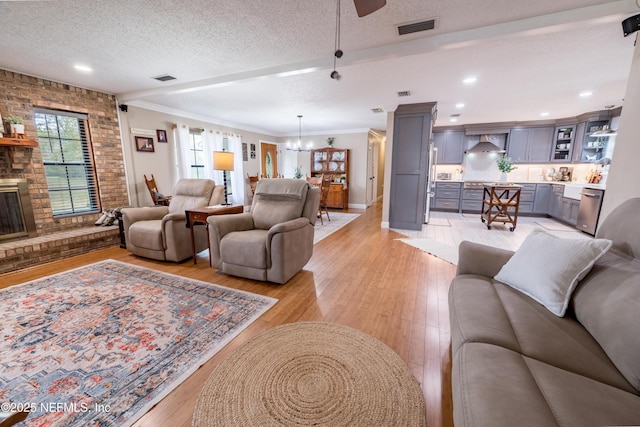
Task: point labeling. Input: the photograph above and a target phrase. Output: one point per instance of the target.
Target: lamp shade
(222, 160)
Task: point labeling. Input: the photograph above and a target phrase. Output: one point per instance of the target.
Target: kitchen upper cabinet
(530, 145)
(577, 148)
(563, 144)
(450, 146)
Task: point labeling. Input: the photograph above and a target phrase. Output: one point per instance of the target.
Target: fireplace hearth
(16, 213)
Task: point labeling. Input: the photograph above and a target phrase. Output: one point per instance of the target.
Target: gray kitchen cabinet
(555, 200)
(576, 155)
(471, 200)
(530, 145)
(450, 145)
(594, 147)
(542, 199)
(447, 196)
(410, 164)
(527, 197)
(563, 144)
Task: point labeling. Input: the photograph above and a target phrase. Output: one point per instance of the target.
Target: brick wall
(19, 95)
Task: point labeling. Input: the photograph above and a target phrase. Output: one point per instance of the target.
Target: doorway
(269, 160)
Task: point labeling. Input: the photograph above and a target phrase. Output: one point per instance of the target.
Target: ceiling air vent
(404, 93)
(377, 110)
(164, 78)
(416, 27)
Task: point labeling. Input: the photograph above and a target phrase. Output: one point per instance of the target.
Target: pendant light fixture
(297, 146)
(337, 54)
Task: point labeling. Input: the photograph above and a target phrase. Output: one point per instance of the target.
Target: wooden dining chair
(157, 197)
(253, 182)
(323, 184)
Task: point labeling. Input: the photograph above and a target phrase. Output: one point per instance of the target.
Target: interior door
(372, 171)
(269, 160)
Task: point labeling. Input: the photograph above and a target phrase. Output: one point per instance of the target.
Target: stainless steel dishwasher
(589, 210)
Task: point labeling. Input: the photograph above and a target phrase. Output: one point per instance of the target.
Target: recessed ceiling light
(460, 105)
(469, 80)
(83, 68)
(453, 119)
(544, 114)
(585, 94)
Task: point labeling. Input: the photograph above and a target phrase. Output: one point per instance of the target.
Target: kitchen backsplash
(483, 167)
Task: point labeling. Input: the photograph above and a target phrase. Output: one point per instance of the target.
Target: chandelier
(297, 146)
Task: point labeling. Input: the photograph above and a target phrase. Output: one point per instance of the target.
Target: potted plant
(16, 125)
(505, 165)
(297, 172)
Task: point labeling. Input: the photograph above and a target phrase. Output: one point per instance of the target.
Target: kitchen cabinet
(593, 147)
(542, 199)
(576, 155)
(447, 196)
(527, 197)
(555, 200)
(412, 126)
(563, 143)
(471, 200)
(530, 145)
(450, 146)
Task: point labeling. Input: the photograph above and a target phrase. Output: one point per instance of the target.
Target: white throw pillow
(547, 268)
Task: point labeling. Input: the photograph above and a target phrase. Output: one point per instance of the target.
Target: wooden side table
(199, 217)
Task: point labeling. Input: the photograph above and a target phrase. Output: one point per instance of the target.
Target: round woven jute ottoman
(311, 374)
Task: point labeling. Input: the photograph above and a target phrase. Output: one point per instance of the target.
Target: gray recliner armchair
(160, 232)
(272, 242)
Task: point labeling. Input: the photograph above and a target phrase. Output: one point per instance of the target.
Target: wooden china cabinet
(333, 162)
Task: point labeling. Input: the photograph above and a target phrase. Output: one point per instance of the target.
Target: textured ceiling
(257, 64)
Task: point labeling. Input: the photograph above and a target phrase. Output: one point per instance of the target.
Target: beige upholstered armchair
(272, 242)
(160, 232)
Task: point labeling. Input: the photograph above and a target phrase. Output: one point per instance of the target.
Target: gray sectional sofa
(515, 363)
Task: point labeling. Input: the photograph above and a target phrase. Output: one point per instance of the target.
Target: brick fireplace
(16, 212)
(19, 96)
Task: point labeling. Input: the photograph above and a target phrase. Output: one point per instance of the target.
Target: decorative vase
(503, 177)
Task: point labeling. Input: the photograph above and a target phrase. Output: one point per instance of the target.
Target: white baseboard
(357, 206)
(384, 224)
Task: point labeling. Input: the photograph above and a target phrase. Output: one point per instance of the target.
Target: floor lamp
(223, 161)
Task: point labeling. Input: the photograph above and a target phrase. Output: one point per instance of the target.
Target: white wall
(161, 163)
(624, 175)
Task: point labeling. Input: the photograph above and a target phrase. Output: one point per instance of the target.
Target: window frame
(74, 191)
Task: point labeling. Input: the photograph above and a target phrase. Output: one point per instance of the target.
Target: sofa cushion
(246, 248)
(485, 310)
(607, 304)
(547, 268)
(277, 201)
(494, 386)
(147, 234)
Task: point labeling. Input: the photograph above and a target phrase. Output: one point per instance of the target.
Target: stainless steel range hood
(485, 146)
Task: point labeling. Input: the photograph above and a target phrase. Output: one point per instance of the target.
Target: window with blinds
(68, 163)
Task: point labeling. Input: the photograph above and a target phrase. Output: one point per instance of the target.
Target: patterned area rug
(338, 220)
(100, 345)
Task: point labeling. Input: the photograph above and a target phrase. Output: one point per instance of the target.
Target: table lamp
(223, 161)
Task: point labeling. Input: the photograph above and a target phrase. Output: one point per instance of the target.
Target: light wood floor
(359, 276)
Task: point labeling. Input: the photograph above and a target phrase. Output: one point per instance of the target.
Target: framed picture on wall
(144, 143)
(245, 152)
(162, 135)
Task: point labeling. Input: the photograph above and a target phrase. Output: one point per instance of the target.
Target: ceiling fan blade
(365, 7)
